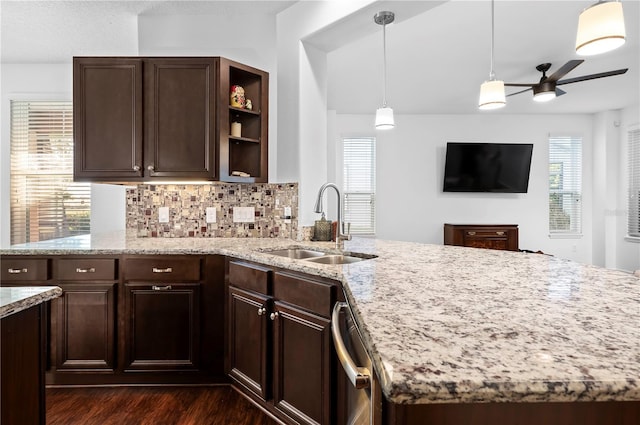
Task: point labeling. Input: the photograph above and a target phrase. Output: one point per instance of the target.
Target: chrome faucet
(340, 235)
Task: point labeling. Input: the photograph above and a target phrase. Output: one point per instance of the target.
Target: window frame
(633, 182)
(33, 132)
(361, 190)
(572, 187)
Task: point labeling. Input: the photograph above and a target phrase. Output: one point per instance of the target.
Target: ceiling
(438, 53)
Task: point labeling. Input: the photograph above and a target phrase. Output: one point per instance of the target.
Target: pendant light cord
(384, 66)
(492, 75)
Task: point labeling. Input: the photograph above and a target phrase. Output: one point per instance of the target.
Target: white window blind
(359, 156)
(565, 185)
(633, 225)
(45, 201)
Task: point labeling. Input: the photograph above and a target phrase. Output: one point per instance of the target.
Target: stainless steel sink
(296, 253)
(319, 257)
(335, 259)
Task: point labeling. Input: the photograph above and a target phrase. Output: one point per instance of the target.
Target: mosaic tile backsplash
(188, 204)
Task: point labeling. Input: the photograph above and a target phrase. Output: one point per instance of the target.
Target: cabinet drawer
(249, 276)
(25, 269)
(163, 268)
(304, 292)
(87, 269)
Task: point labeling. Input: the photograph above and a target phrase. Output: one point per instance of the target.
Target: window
(565, 185)
(633, 225)
(45, 201)
(359, 155)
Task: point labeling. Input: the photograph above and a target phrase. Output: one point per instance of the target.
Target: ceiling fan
(546, 89)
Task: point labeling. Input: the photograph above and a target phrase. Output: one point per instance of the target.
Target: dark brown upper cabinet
(168, 118)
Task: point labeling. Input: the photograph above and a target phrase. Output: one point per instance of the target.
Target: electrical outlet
(211, 214)
(287, 214)
(244, 214)
(163, 214)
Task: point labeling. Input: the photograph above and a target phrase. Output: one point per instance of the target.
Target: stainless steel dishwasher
(361, 403)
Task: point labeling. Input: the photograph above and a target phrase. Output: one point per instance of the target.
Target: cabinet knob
(136, 168)
(157, 270)
(17, 271)
(471, 233)
(161, 288)
(150, 167)
(500, 233)
(274, 315)
(261, 311)
(89, 270)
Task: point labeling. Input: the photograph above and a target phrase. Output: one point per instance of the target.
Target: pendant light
(384, 115)
(600, 28)
(492, 92)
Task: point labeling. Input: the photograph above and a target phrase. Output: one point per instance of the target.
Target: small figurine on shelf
(248, 104)
(237, 97)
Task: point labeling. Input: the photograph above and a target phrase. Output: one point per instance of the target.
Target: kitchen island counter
(448, 324)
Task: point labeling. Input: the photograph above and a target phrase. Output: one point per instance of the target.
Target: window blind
(45, 201)
(359, 175)
(565, 184)
(633, 224)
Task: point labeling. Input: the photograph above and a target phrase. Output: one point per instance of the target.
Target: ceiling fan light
(544, 96)
(384, 118)
(544, 92)
(600, 29)
(492, 95)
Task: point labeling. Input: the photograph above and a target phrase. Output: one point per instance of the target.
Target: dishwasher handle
(360, 377)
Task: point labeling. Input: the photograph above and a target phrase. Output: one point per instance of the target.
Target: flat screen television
(487, 167)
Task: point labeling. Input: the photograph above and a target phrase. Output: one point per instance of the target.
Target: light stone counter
(448, 324)
(15, 299)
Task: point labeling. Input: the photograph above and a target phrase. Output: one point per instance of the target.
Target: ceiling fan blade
(560, 92)
(564, 70)
(520, 84)
(592, 76)
(521, 91)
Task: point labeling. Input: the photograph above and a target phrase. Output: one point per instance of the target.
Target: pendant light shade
(384, 115)
(600, 28)
(384, 119)
(492, 95)
(492, 92)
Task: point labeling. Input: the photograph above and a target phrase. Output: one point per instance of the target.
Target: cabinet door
(180, 117)
(248, 346)
(107, 118)
(85, 337)
(302, 365)
(162, 330)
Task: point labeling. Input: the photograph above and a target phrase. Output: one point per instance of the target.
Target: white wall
(411, 204)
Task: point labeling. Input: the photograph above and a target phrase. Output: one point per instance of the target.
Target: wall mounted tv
(487, 167)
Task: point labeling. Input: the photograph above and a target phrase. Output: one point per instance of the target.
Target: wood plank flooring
(220, 405)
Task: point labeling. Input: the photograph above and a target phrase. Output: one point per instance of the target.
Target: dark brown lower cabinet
(249, 348)
(22, 368)
(162, 326)
(280, 351)
(301, 364)
(85, 334)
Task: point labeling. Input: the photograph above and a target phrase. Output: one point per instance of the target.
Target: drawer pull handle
(167, 270)
(471, 233)
(17, 271)
(89, 270)
(161, 288)
(261, 311)
(274, 315)
(500, 233)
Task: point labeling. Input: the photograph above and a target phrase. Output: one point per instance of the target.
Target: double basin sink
(319, 257)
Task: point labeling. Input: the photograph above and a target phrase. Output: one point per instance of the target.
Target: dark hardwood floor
(220, 405)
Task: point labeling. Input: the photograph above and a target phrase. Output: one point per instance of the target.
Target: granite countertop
(15, 299)
(447, 324)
